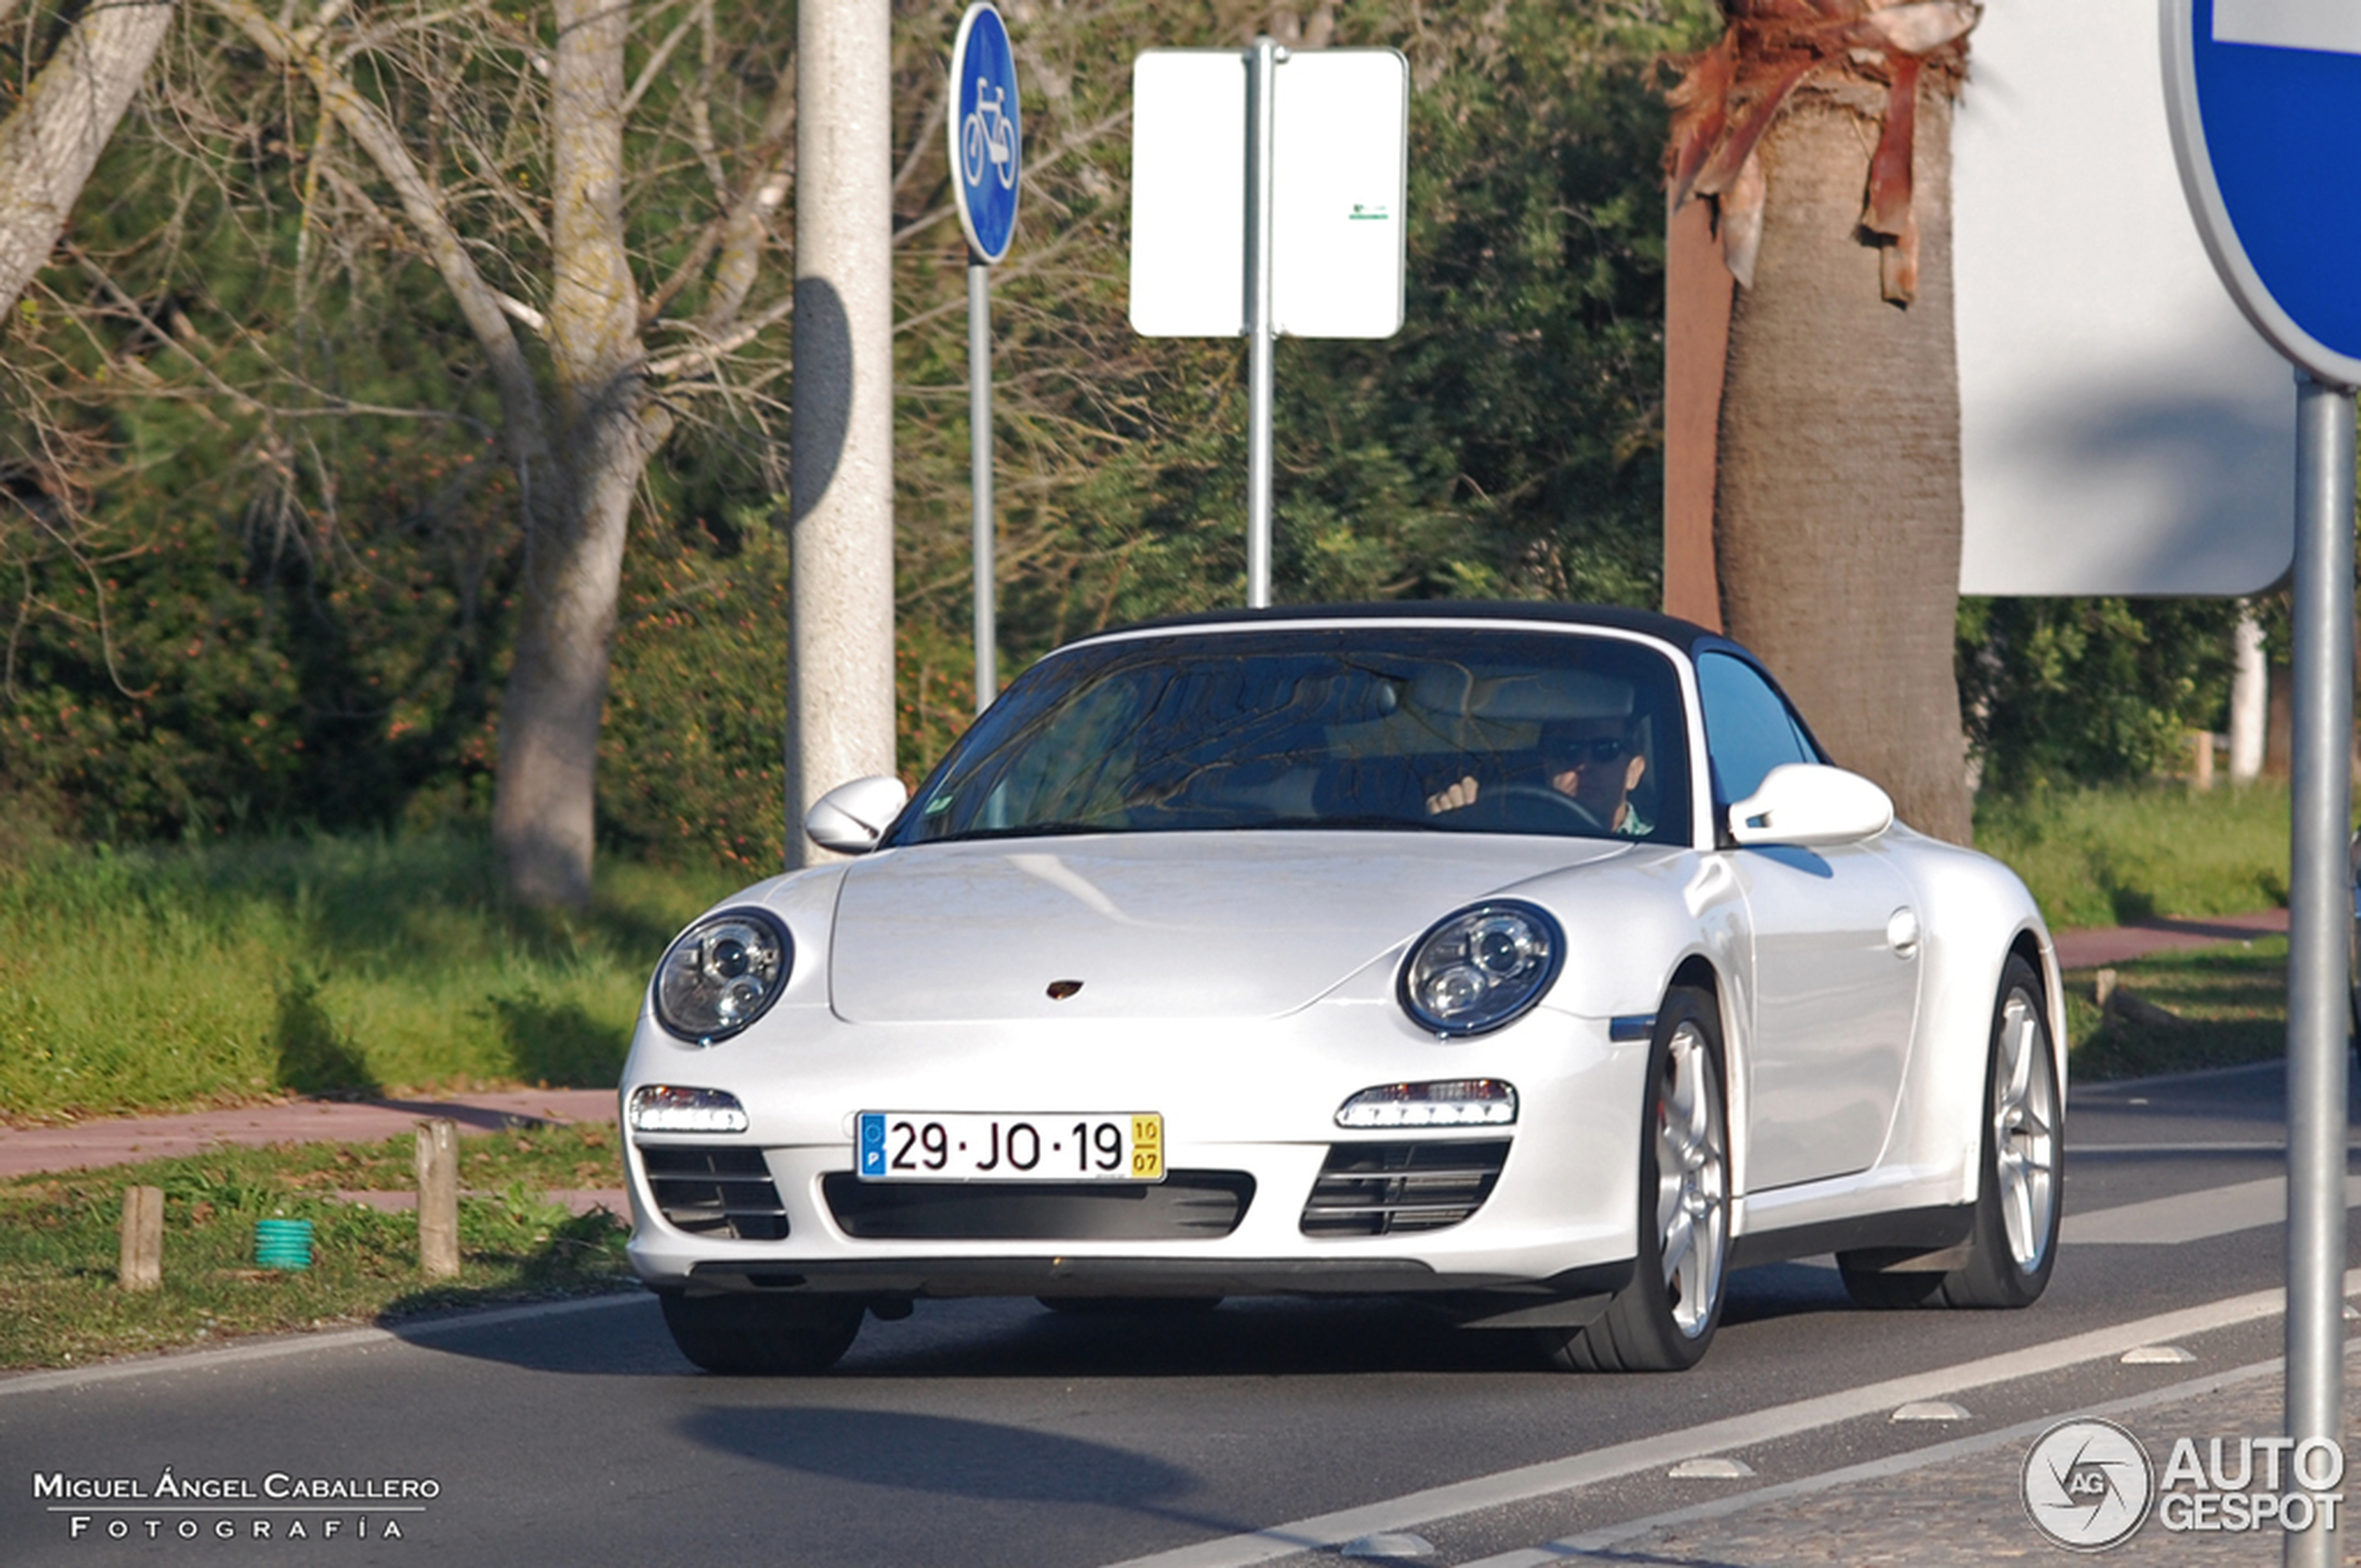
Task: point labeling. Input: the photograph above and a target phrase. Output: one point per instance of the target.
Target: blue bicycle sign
(989, 134)
(2264, 98)
(986, 144)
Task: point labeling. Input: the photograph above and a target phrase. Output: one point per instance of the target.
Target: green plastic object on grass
(283, 1244)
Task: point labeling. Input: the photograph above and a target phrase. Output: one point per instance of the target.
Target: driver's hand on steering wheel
(1452, 796)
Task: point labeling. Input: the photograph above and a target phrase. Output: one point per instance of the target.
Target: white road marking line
(1893, 1465)
(271, 1349)
(2248, 1146)
(2192, 1217)
(2331, 26)
(1666, 1449)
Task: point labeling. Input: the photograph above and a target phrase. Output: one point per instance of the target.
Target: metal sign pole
(980, 464)
(2320, 929)
(1263, 62)
(986, 147)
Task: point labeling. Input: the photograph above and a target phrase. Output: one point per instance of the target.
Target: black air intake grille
(1386, 1189)
(717, 1192)
(1186, 1205)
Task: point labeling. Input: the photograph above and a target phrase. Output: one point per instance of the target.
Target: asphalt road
(997, 1433)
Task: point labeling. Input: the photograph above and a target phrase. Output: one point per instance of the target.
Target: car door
(1835, 956)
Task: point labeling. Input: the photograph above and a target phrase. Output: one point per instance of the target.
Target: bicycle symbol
(988, 132)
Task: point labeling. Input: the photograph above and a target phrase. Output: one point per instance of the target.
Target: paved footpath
(124, 1139)
(2089, 950)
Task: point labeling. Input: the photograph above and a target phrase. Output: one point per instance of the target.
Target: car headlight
(1481, 967)
(722, 974)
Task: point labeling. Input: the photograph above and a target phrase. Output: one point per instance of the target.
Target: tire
(763, 1336)
(2012, 1241)
(1665, 1318)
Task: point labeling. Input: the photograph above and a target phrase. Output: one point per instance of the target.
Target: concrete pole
(841, 703)
(2250, 699)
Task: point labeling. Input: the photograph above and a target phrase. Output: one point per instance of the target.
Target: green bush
(690, 757)
(2060, 692)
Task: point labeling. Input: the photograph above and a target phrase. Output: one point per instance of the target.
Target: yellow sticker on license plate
(971, 1146)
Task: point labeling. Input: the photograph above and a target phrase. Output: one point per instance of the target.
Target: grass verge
(2103, 857)
(59, 1305)
(2174, 1012)
(173, 977)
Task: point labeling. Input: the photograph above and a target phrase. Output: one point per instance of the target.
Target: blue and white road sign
(985, 142)
(2264, 101)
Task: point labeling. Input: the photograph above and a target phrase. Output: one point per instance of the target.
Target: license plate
(1052, 1146)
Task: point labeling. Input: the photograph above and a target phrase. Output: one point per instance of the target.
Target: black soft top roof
(1684, 634)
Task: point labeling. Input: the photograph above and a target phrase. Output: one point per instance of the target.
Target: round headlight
(1480, 967)
(722, 974)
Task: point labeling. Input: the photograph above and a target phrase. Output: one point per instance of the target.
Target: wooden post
(438, 1200)
(142, 1263)
(2201, 757)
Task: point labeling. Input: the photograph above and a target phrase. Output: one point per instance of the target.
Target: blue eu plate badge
(873, 1143)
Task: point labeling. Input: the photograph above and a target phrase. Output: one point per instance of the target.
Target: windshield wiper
(1026, 830)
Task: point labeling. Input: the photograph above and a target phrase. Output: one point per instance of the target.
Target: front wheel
(2013, 1242)
(1665, 1318)
(763, 1336)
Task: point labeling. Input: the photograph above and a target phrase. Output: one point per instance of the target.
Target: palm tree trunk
(1838, 504)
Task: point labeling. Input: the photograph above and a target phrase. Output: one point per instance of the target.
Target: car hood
(1166, 925)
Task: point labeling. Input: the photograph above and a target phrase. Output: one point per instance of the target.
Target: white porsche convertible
(1530, 960)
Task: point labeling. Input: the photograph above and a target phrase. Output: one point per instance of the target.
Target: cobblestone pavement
(1956, 1513)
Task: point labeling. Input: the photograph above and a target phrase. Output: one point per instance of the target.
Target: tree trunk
(544, 813)
(1838, 508)
(51, 143)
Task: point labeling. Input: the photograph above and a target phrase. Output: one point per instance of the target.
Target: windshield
(1416, 728)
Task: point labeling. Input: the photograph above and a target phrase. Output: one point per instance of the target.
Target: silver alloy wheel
(2025, 1130)
(1692, 1181)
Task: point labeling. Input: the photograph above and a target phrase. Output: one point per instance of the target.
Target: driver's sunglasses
(1576, 754)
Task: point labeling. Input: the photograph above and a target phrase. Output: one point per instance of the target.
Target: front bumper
(1265, 1193)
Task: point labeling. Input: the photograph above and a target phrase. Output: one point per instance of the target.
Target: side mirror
(851, 818)
(1806, 804)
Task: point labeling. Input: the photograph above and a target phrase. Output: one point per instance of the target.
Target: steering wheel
(1521, 794)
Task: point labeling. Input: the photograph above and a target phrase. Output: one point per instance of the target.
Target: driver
(1595, 762)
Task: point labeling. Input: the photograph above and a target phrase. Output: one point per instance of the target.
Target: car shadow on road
(1020, 1339)
(942, 1467)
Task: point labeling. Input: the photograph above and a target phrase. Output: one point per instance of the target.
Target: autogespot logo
(2087, 1484)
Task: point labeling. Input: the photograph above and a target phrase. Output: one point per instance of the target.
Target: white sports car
(1531, 960)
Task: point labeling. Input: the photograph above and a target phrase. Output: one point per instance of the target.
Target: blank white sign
(2123, 430)
(1339, 149)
